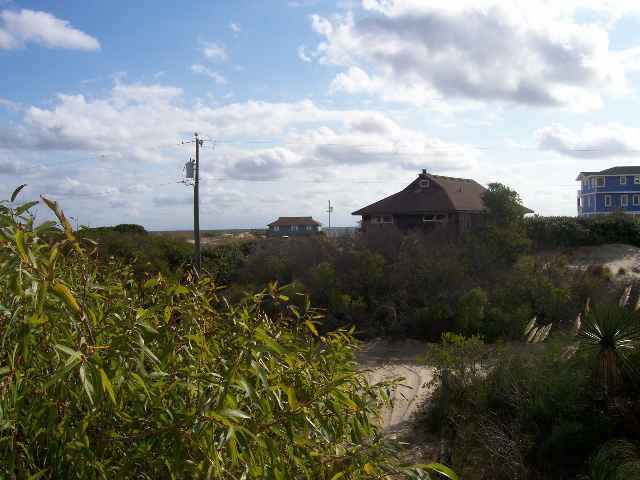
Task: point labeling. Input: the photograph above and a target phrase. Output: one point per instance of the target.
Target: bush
(554, 232)
(101, 376)
(471, 311)
(520, 415)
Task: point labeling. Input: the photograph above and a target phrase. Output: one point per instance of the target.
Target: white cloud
(265, 164)
(215, 76)
(9, 104)
(593, 141)
(17, 28)
(302, 54)
(234, 27)
(144, 122)
(214, 52)
(487, 50)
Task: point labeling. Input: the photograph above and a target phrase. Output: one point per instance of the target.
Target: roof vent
(424, 183)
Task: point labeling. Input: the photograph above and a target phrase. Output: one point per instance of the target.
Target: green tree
(503, 238)
(504, 206)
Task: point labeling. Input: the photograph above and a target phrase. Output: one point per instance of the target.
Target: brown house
(429, 202)
(293, 226)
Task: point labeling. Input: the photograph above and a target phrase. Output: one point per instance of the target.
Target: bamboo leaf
(45, 227)
(24, 207)
(20, 246)
(107, 386)
(17, 191)
(311, 327)
(63, 292)
(439, 468)
(291, 396)
(38, 474)
(234, 413)
(86, 383)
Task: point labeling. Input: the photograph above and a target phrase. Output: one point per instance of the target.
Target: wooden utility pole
(196, 208)
(329, 210)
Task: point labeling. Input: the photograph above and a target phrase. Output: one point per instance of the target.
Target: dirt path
(382, 360)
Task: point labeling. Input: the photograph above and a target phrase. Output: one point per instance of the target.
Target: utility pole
(196, 208)
(329, 210)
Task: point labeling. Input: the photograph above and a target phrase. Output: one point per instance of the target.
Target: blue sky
(309, 101)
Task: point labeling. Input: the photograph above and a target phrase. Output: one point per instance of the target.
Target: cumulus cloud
(267, 164)
(137, 123)
(593, 141)
(18, 28)
(214, 52)
(215, 76)
(487, 50)
(72, 187)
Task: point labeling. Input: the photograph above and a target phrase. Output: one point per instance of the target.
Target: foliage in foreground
(102, 377)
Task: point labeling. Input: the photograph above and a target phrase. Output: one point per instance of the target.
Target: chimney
(424, 171)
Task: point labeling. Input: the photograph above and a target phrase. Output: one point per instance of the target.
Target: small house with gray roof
(293, 226)
(429, 202)
(615, 189)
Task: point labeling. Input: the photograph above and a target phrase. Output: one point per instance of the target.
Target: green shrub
(471, 311)
(554, 232)
(518, 415)
(104, 377)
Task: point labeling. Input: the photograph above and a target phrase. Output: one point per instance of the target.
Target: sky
(305, 101)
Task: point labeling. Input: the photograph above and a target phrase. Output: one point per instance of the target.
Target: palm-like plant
(613, 334)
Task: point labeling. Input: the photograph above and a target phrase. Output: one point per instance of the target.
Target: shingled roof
(290, 221)
(455, 194)
(630, 170)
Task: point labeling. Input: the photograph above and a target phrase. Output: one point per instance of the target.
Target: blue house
(615, 189)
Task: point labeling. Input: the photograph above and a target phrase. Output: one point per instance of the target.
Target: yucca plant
(612, 333)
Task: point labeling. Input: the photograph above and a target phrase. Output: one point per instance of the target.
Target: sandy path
(381, 360)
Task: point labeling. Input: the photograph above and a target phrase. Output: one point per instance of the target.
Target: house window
(387, 219)
(636, 199)
(424, 183)
(624, 200)
(589, 202)
(636, 180)
(433, 218)
(294, 228)
(276, 228)
(309, 228)
(600, 181)
(593, 181)
(623, 180)
(607, 200)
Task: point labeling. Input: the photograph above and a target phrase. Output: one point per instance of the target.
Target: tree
(503, 238)
(503, 205)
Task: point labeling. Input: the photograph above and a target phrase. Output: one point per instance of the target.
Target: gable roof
(627, 170)
(449, 194)
(290, 221)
